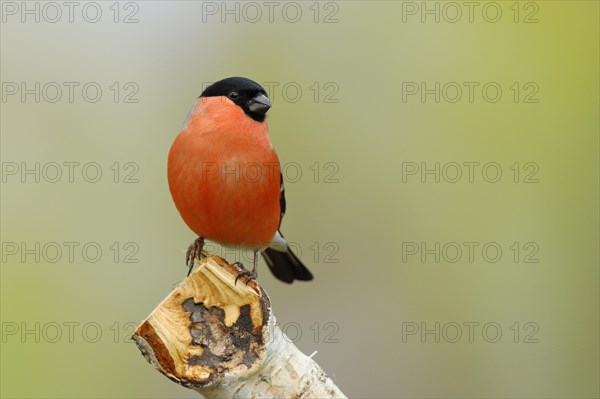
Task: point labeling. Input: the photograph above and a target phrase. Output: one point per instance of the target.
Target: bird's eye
(234, 95)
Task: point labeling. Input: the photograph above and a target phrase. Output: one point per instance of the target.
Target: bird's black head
(245, 93)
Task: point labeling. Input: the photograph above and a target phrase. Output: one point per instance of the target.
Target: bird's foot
(250, 275)
(194, 251)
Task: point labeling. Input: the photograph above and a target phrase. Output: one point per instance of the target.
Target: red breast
(224, 175)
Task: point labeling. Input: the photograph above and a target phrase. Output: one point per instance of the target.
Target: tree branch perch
(221, 339)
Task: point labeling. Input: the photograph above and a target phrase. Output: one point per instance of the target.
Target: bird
(226, 182)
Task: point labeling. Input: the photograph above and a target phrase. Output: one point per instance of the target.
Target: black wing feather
(285, 265)
(281, 198)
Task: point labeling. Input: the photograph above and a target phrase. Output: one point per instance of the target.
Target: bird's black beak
(259, 104)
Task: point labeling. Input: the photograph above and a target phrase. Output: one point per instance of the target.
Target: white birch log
(220, 339)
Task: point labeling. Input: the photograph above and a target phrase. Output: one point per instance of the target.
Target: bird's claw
(194, 251)
(239, 264)
(244, 273)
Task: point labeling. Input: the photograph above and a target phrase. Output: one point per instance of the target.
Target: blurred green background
(364, 223)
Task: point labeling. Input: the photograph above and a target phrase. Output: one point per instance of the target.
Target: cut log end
(208, 327)
(220, 339)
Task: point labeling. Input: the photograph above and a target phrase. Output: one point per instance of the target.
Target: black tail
(286, 266)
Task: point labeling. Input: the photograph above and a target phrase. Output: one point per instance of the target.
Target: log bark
(221, 340)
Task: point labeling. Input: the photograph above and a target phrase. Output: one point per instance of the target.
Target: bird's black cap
(246, 93)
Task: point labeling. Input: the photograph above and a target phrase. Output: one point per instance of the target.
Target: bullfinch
(225, 178)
